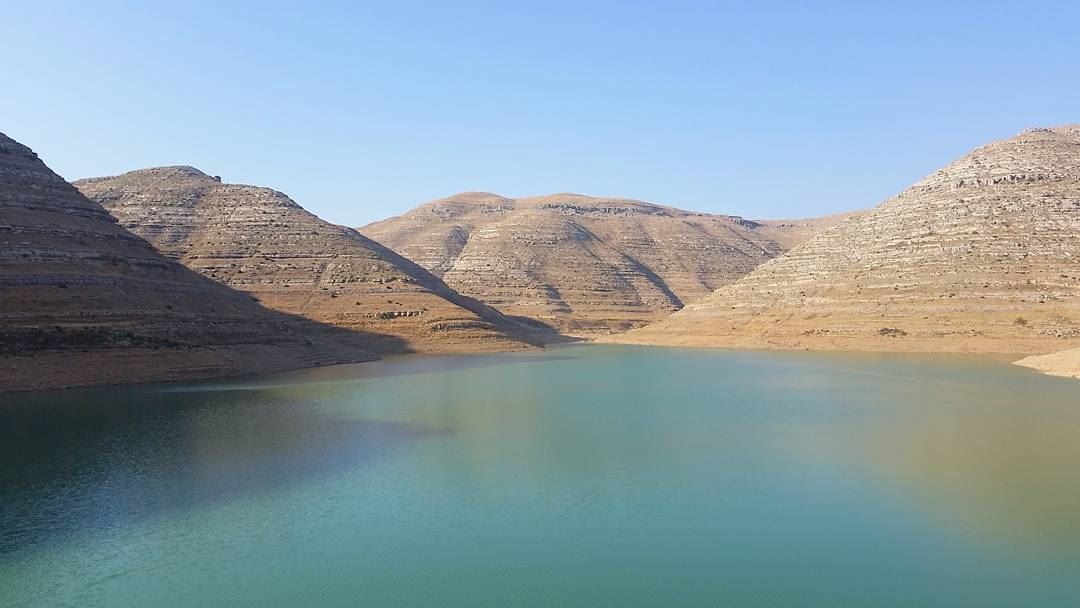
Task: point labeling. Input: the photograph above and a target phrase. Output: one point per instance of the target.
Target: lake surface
(583, 476)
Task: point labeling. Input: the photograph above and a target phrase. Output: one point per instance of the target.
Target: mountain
(792, 233)
(983, 255)
(83, 301)
(260, 241)
(585, 265)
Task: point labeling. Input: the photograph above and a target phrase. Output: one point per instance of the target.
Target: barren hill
(792, 233)
(583, 264)
(983, 255)
(260, 241)
(83, 301)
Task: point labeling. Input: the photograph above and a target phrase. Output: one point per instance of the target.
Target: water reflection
(989, 452)
(651, 473)
(341, 378)
(76, 461)
(1009, 478)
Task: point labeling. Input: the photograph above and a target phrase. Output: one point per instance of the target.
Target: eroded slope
(83, 301)
(260, 241)
(584, 264)
(983, 255)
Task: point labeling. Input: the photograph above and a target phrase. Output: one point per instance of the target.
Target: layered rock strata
(583, 264)
(260, 241)
(982, 256)
(84, 301)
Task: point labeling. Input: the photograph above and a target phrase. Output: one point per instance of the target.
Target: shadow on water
(76, 462)
(344, 374)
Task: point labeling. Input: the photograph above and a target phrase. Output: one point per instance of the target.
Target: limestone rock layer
(585, 265)
(260, 241)
(983, 255)
(84, 301)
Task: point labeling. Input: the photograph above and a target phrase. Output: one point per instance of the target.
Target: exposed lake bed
(585, 475)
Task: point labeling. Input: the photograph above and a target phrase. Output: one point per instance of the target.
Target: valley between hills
(170, 273)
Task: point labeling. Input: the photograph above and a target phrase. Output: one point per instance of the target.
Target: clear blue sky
(360, 111)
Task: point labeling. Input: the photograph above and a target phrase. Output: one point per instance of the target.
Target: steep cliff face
(261, 242)
(83, 301)
(983, 255)
(584, 264)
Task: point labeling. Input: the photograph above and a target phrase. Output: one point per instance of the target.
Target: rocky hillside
(83, 301)
(584, 264)
(983, 255)
(792, 233)
(261, 242)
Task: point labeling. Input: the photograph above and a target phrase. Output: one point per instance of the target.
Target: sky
(360, 111)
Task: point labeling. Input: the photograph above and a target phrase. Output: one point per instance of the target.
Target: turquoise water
(584, 476)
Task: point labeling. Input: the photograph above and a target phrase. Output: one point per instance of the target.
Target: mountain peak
(473, 197)
(1069, 129)
(172, 172)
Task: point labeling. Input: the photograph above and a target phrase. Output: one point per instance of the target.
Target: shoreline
(99, 369)
(86, 369)
(1063, 364)
(980, 346)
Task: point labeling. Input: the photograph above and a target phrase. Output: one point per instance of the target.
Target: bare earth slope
(983, 255)
(584, 264)
(258, 240)
(83, 301)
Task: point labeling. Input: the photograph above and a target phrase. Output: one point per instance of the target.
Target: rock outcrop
(983, 255)
(260, 241)
(585, 265)
(83, 301)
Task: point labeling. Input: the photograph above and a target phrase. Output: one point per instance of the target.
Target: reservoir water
(582, 476)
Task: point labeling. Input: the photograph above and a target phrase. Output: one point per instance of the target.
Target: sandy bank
(1065, 363)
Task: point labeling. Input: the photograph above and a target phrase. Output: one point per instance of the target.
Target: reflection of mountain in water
(113, 456)
(1009, 477)
(964, 452)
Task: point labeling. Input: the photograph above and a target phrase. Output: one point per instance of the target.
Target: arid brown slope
(983, 255)
(258, 240)
(583, 264)
(83, 301)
